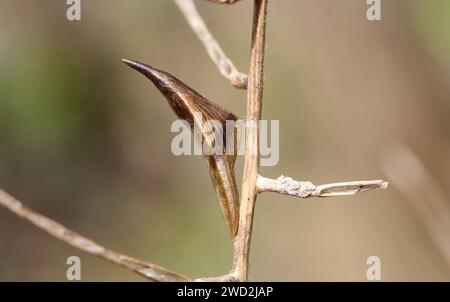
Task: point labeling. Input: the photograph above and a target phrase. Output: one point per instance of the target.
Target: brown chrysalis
(189, 105)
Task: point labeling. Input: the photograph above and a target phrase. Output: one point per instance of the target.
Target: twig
(148, 270)
(225, 278)
(304, 189)
(251, 166)
(217, 55)
(224, 1)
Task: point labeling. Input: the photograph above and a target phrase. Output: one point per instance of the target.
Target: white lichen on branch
(304, 189)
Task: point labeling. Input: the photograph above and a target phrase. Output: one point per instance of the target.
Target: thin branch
(215, 52)
(304, 189)
(225, 278)
(251, 166)
(148, 270)
(224, 1)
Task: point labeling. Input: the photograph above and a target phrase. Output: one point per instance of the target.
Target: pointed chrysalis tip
(131, 63)
(147, 70)
(185, 101)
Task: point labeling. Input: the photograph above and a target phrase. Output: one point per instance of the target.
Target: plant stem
(146, 269)
(251, 166)
(215, 52)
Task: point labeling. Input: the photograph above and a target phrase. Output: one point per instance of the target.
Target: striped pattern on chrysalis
(187, 104)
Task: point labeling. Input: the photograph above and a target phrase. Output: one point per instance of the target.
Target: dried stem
(217, 55)
(251, 166)
(148, 270)
(304, 189)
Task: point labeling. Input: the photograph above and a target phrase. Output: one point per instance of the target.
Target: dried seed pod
(187, 104)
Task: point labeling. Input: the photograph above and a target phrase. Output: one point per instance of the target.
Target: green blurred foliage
(46, 102)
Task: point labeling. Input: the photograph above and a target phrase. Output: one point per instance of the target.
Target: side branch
(304, 189)
(215, 52)
(148, 270)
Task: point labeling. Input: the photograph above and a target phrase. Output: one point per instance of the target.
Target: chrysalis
(187, 104)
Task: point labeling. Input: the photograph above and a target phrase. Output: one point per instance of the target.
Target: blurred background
(86, 140)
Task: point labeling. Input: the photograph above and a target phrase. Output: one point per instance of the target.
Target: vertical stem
(251, 166)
